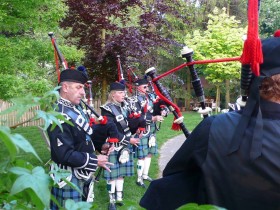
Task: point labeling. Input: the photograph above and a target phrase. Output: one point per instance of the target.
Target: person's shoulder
(232, 114)
(106, 107)
(132, 98)
(226, 119)
(153, 95)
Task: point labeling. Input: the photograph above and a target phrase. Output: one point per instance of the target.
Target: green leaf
(59, 173)
(52, 117)
(10, 205)
(23, 144)
(5, 137)
(72, 205)
(35, 179)
(3, 165)
(195, 206)
(15, 141)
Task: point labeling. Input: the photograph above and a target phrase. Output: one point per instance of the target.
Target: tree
(222, 39)
(26, 52)
(197, 15)
(131, 29)
(205, 7)
(269, 19)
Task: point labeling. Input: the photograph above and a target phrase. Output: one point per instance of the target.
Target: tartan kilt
(153, 150)
(119, 169)
(67, 192)
(142, 150)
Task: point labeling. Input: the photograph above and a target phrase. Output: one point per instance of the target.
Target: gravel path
(168, 149)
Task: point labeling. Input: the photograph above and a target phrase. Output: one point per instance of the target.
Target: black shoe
(119, 203)
(148, 179)
(141, 184)
(112, 206)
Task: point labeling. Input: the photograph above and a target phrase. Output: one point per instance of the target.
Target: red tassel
(137, 115)
(146, 108)
(141, 129)
(277, 33)
(131, 115)
(252, 51)
(175, 126)
(91, 121)
(104, 121)
(113, 140)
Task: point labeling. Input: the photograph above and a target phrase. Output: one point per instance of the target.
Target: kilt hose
(67, 192)
(119, 169)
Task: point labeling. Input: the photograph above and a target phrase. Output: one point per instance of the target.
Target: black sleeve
(181, 179)
(102, 132)
(193, 151)
(63, 150)
(158, 107)
(136, 123)
(120, 135)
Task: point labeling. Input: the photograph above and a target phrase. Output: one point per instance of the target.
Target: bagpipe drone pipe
(104, 133)
(250, 59)
(96, 121)
(136, 121)
(164, 95)
(196, 83)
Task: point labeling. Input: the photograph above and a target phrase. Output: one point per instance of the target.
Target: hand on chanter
(102, 161)
(157, 118)
(134, 141)
(107, 148)
(163, 113)
(139, 133)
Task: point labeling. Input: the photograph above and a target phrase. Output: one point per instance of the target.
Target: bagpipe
(161, 91)
(136, 122)
(132, 77)
(89, 106)
(162, 94)
(250, 59)
(101, 130)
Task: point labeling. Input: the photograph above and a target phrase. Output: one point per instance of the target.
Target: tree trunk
(104, 78)
(188, 99)
(218, 93)
(227, 93)
(104, 90)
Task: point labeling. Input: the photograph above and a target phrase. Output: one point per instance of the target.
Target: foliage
(269, 18)
(135, 30)
(25, 53)
(194, 206)
(29, 183)
(28, 186)
(222, 39)
(200, 16)
(15, 86)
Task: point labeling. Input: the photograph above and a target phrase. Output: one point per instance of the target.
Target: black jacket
(72, 146)
(202, 170)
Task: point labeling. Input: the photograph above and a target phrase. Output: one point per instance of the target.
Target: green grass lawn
(132, 193)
